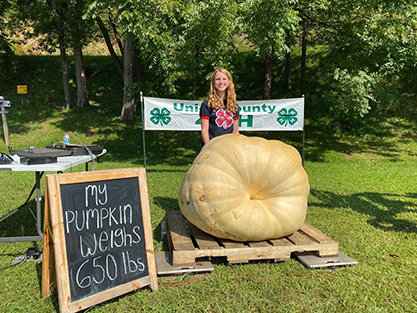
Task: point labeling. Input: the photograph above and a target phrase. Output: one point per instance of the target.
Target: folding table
(62, 164)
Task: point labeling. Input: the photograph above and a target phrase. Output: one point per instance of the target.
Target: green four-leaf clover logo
(160, 116)
(285, 118)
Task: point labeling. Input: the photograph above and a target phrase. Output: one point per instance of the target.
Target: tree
(140, 27)
(129, 107)
(267, 24)
(206, 38)
(107, 39)
(61, 29)
(145, 25)
(75, 10)
(59, 17)
(5, 48)
(34, 19)
(368, 44)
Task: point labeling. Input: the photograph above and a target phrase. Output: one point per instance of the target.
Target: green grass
(363, 195)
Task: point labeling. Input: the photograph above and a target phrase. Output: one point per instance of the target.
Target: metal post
(142, 105)
(38, 204)
(304, 103)
(303, 148)
(38, 200)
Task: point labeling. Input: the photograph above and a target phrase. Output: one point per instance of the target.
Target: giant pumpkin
(245, 189)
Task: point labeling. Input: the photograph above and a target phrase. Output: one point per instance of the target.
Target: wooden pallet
(188, 243)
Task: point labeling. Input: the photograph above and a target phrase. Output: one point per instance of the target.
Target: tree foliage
(267, 23)
(205, 38)
(370, 44)
(5, 49)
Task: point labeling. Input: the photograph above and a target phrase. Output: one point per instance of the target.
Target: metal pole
(303, 147)
(303, 129)
(142, 100)
(38, 203)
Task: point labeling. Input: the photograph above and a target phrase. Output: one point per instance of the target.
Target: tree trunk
(194, 88)
(195, 71)
(288, 70)
(268, 74)
(106, 36)
(82, 94)
(129, 108)
(303, 61)
(138, 64)
(63, 55)
(115, 33)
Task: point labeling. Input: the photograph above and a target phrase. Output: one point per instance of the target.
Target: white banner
(259, 115)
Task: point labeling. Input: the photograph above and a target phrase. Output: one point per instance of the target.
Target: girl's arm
(236, 127)
(205, 130)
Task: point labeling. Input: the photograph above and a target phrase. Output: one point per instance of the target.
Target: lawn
(363, 195)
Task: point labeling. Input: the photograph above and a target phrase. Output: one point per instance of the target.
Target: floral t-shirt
(220, 121)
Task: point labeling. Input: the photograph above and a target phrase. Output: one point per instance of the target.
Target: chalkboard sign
(102, 235)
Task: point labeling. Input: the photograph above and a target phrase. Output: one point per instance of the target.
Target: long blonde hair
(215, 102)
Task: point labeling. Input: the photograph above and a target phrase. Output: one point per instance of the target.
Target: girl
(219, 113)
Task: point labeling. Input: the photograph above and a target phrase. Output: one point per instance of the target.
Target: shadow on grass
(167, 204)
(21, 223)
(124, 141)
(101, 124)
(384, 209)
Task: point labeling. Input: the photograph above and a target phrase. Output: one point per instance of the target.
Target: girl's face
(221, 82)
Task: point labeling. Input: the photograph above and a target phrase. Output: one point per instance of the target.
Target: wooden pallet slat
(230, 244)
(280, 242)
(179, 232)
(299, 239)
(258, 244)
(315, 233)
(204, 240)
(189, 243)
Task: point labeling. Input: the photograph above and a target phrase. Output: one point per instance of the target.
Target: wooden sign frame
(54, 237)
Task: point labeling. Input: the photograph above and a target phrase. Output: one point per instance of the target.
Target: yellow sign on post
(22, 89)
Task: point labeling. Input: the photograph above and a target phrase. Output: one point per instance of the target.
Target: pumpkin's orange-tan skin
(245, 189)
